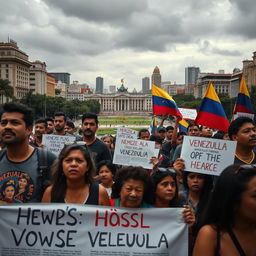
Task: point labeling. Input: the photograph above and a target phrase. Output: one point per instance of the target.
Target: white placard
(135, 152)
(55, 143)
(188, 113)
(126, 133)
(68, 229)
(207, 156)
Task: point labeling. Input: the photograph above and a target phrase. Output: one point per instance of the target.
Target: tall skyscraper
(156, 77)
(61, 76)
(145, 85)
(99, 85)
(191, 75)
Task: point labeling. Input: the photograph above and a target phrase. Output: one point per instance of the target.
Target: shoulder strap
(236, 243)
(2, 152)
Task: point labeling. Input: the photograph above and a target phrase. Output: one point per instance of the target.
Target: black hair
(59, 179)
(49, 119)
(41, 121)
(136, 173)
(61, 114)
(107, 163)
(157, 177)
(141, 131)
(12, 107)
(70, 124)
(90, 115)
(219, 135)
(157, 139)
(181, 133)
(236, 124)
(193, 124)
(227, 195)
(169, 128)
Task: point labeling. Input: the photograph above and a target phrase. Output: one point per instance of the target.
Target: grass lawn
(124, 120)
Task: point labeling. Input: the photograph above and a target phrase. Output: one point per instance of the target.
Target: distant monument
(122, 89)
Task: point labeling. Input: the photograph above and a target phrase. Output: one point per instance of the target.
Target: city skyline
(105, 38)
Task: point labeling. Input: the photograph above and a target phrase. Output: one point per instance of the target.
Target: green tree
(6, 90)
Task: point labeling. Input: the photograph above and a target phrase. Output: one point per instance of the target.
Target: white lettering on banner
(208, 156)
(86, 230)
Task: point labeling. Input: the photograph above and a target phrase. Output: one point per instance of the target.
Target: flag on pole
(163, 103)
(183, 126)
(211, 112)
(153, 126)
(243, 101)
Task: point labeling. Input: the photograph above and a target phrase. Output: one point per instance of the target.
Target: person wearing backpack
(28, 168)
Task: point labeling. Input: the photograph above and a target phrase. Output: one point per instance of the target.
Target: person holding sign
(132, 188)
(73, 179)
(229, 227)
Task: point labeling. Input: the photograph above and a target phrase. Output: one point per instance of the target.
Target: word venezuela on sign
(208, 156)
(65, 229)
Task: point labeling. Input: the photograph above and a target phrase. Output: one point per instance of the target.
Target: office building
(61, 76)
(38, 78)
(99, 85)
(156, 77)
(191, 75)
(145, 85)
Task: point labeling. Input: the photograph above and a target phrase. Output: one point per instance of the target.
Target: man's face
(206, 132)
(69, 129)
(193, 131)
(50, 127)
(169, 134)
(13, 128)
(40, 129)
(144, 136)
(162, 134)
(89, 127)
(59, 123)
(246, 135)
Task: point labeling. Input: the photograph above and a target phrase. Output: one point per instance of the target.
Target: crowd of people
(220, 211)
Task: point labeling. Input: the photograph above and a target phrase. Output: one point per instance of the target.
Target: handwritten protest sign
(134, 152)
(208, 156)
(188, 113)
(66, 229)
(126, 133)
(55, 143)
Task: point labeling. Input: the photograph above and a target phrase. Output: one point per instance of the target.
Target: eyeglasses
(244, 166)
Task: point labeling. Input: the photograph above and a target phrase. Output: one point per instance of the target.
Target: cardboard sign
(68, 229)
(188, 113)
(207, 156)
(134, 152)
(126, 133)
(55, 143)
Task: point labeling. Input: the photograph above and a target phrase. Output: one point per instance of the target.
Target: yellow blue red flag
(243, 101)
(211, 112)
(183, 126)
(163, 103)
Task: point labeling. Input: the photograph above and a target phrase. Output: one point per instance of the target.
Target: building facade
(145, 85)
(99, 85)
(156, 77)
(38, 78)
(249, 69)
(51, 84)
(14, 66)
(191, 75)
(61, 76)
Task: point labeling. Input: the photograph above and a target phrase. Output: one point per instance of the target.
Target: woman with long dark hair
(73, 181)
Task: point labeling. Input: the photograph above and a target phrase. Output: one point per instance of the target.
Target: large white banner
(134, 152)
(55, 143)
(208, 156)
(74, 230)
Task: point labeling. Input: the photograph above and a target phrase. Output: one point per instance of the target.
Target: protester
(99, 150)
(161, 131)
(50, 125)
(18, 158)
(229, 226)
(40, 129)
(243, 131)
(73, 179)
(70, 128)
(106, 171)
(60, 120)
(143, 134)
(205, 131)
(108, 140)
(221, 135)
(132, 188)
(169, 133)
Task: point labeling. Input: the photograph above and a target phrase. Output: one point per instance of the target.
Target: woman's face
(107, 141)
(22, 183)
(179, 139)
(9, 192)
(131, 193)
(247, 207)
(195, 181)
(74, 165)
(165, 189)
(105, 175)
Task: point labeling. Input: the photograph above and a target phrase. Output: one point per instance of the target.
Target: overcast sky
(127, 38)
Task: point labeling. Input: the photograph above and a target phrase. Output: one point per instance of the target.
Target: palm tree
(6, 91)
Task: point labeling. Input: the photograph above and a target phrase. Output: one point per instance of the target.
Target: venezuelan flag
(211, 112)
(243, 101)
(153, 126)
(163, 103)
(183, 126)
